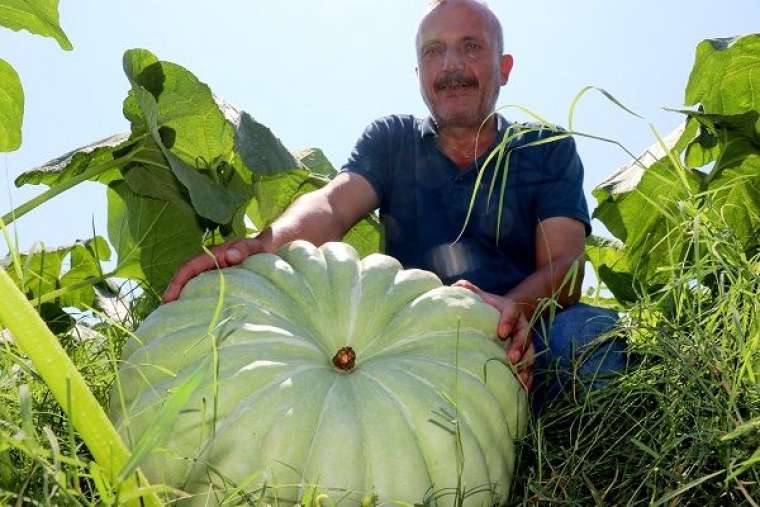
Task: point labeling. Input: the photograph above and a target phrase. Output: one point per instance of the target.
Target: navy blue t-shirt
(424, 199)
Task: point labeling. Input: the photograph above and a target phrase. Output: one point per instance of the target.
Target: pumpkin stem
(344, 359)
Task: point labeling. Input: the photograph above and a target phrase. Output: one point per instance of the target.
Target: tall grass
(53, 390)
(680, 427)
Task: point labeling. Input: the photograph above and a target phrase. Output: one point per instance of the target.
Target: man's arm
(559, 245)
(320, 216)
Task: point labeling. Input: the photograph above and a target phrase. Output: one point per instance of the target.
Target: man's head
(460, 62)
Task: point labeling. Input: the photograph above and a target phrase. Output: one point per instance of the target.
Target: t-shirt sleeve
(561, 194)
(370, 157)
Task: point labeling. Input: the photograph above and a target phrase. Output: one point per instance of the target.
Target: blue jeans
(579, 348)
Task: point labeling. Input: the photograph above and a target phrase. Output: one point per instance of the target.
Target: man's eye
(472, 47)
(432, 51)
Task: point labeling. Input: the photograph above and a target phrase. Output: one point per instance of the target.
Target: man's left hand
(512, 323)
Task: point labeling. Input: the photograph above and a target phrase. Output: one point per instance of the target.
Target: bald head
(496, 31)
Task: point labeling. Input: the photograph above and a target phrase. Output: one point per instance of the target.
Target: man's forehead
(457, 19)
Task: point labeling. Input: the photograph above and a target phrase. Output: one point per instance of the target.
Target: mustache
(455, 79)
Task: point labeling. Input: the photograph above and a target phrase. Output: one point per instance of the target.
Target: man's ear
(506, 63)
(417, 71)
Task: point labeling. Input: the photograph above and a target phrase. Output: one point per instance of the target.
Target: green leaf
(626, 179)
(85, 270)
(722, 76)
(273, 194)
(210, 199)
(195, 136)
(11, 107)
(62, 277)
(610, 262)
(259, 149)
(156, 182)
(645, 218)
(717, 132)
(74, 163)
(367, 236)
(192, 126)
(316, 161)
(736, 197)
(152, 237)
(39, 17)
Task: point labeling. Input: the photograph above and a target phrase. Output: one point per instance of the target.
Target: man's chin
(458, 120)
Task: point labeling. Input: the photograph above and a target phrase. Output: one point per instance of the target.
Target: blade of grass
(164, 421)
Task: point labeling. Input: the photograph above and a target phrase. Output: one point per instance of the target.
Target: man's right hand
(228, 254)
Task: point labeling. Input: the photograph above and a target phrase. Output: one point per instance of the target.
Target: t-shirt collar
(429, 128)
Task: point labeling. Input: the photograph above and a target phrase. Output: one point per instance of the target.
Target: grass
(680, 425)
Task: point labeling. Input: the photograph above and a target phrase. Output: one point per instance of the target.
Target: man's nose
(453, 59)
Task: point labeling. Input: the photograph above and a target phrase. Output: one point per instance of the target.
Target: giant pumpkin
(352, 375)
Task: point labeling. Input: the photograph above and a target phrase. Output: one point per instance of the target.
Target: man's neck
(464, 144)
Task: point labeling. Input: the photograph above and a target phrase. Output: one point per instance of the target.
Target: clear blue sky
(318, 71)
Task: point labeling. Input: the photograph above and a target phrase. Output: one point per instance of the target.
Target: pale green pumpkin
(288, 417)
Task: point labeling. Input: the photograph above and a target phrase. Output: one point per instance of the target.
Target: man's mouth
(455, 82)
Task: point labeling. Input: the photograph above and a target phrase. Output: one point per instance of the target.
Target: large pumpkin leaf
(193, 127)
(39, 17)
(155, 182)
(645, 218)
(625, 179)
(11, 107)
(210, 198)
(258, 148)
(70, 165)
(152, 237)
(722, 76)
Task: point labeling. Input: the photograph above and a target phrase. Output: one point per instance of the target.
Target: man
(421, 174)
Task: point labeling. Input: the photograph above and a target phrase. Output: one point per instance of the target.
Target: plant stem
(90, 173)
(33, 337)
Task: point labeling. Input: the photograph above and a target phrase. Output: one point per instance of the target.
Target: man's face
(459, 65)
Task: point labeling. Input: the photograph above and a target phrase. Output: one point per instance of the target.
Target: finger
(530, 356)
(240, 250)
(521, 340)
(507, 323)
(526, 379)
(525, 369)
(228, 254)
(466, 284)
(190, 269)
(487, 297)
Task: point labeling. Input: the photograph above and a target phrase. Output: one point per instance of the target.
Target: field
(681, 426)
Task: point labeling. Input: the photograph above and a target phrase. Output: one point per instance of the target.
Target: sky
(317, 72)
